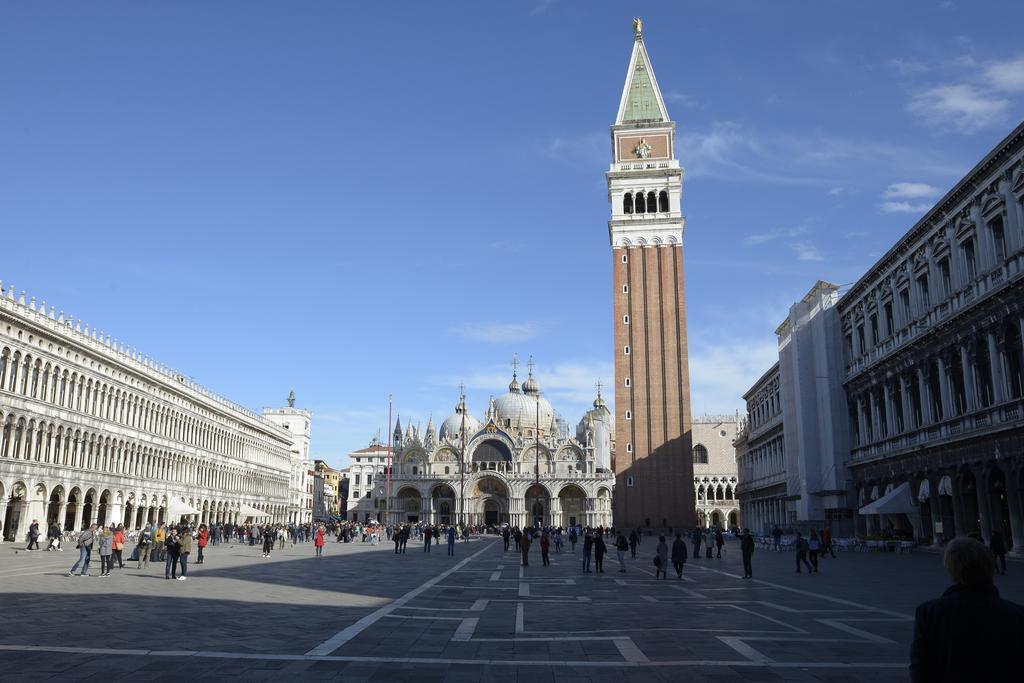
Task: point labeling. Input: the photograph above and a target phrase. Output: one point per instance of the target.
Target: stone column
(862, 431)
(965, 361)
(935, 503)
(925, 395)
(995, 355)
(944, 396)
(981, 480)
(873, 415)
(890, 416)
(905, 402)
(1013, 502)
(958, 506)
(3, 517)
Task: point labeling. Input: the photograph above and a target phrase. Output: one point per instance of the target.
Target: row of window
(23, 438)
(917, 298)
(645, 203)
(41, 380)
(959, 381)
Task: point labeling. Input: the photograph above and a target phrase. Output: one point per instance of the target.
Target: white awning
(897, 501)
(247, 510)
(176, 507)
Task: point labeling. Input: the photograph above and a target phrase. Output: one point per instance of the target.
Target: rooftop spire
(641, 99)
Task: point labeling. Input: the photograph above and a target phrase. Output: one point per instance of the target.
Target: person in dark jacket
(33, 535)
(998, 547)
(599, 550)
(719, 542)
(747, 550)
(970, 633)
(588, 545)
(172, 546)
(679, 553)
(696, 537)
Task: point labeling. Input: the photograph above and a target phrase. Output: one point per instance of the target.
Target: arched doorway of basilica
(493, 496)
(409, 505)
(574, 505)
(442, 499)
(538, 505)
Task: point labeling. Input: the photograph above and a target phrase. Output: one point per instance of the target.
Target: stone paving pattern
(474, 616)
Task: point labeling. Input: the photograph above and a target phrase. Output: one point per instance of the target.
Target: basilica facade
(517, 465)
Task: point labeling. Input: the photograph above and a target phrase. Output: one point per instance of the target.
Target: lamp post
(462, 456)
(387, 507)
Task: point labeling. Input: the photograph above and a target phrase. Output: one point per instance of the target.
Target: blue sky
(353, 199)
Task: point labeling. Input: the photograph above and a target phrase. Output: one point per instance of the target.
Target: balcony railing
(1004, 414)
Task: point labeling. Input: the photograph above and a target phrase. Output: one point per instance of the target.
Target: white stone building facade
(517, 465)
(714, 471)
(93, 431)
(761, 456)
(298, 423)
(366, 475)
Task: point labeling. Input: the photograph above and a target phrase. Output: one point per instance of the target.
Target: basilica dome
(453, 425)
(521, 408)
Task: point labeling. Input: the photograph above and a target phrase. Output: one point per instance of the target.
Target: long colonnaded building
(653, 464)
(92, 431)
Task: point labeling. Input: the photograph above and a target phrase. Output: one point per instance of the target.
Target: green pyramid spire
(641, 100)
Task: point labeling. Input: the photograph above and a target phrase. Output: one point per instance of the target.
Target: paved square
(361, 613)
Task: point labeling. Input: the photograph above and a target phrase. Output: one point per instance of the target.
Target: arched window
(652, 202)
(627, 203)
(663, 201)
(640, 206)
(700, 455)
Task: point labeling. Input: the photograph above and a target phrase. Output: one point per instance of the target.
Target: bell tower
(653, 459)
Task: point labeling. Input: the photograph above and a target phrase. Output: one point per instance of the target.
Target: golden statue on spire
(638, 26)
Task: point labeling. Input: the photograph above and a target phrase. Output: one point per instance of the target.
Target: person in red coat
(202, 540)
(319, 541)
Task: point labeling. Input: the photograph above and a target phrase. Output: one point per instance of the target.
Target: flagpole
(388, 504)
(462, 465)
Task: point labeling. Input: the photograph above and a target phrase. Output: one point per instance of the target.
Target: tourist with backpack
(144, 546)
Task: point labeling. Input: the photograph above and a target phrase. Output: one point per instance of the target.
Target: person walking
(696, 538)
(397, 538)
(172, 549)
(633, 540)
(451, 541)
(268, 540)
(573, 538)
(202, 541)
(776, 537)
(998, 547)
(545, 546)
(426, 539)
(524, 548)
(33, 536)
(85, 543)
(801, 553)
(318, 542)
(970, 633)
(599, 552)
(406, 531)
(118, 547)
(588, 544)
(747, 550)
(186, 548)
(814, 546)
(621, 546)
(826, 543)
(106, 547)
(506, 534)
(661, 559)
(145, 546)
(678, 555)
(719, 542)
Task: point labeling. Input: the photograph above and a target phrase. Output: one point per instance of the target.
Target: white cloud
(910, 191)
(1007, 76)
(589, 151)
(903, 207)
(498, 333)
(908, 67)
(836, 191)
(721, 373)
(681, 98)
(807, 252)
(855, 234)
(763, 237)
(962, 106)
